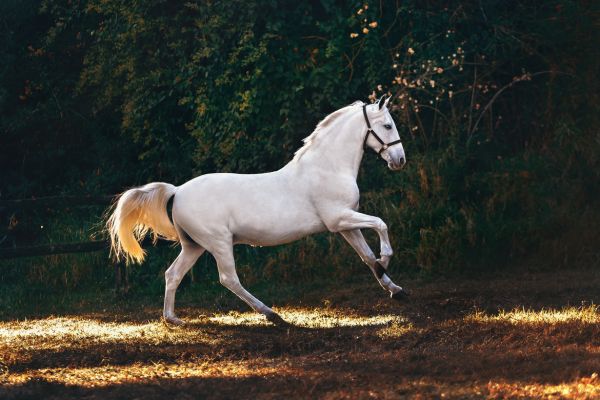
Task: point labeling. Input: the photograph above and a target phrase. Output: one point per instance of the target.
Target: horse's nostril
(402, 161)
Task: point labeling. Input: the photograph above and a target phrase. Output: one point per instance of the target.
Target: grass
(582, 315)
(521, 336)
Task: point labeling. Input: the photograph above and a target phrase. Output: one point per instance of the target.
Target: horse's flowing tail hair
(136, 212)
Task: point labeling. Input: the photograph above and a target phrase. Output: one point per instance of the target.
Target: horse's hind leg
(229, 278)
(173, 276)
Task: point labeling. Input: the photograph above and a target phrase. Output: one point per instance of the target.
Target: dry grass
(580, 315)
(453, 340)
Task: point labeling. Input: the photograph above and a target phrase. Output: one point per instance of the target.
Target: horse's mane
(326, 122)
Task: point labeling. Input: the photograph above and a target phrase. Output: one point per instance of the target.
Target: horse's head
(382, 135)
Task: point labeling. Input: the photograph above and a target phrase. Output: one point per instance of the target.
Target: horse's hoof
(401, 295)
(275, 319)
(173, 321)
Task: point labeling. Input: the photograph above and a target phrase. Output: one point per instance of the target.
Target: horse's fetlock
(387, 252)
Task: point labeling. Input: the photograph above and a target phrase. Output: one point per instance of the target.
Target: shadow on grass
(457, 339)
(279, 386)
(307, 371)
(466, 346)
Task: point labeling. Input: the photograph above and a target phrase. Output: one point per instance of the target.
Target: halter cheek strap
(370, 131)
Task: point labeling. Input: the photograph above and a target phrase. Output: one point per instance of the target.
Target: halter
(370, 131)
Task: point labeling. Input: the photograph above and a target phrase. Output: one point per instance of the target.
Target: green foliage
(496, 102)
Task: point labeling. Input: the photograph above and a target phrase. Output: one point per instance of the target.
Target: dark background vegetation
(497, 103)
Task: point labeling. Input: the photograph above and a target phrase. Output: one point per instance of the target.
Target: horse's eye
(388, 126)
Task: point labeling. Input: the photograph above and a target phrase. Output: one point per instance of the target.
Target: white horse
(315, 192)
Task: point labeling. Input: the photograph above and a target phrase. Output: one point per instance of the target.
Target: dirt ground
(534, 335)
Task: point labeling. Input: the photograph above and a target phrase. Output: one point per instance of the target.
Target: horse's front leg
(360, 245)
(353, 220)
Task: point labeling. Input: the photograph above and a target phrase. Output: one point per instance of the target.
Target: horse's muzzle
(397, 165)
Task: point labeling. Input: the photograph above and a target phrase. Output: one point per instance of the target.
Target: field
(520, 335)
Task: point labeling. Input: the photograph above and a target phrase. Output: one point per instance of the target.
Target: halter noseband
(370, 131)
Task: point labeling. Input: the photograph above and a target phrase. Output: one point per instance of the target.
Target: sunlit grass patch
(582, 388)
(64, 331)
(65, 327)
(585, 314)
(397, 329)
(56, 332)
(139, 372)
(309, 318)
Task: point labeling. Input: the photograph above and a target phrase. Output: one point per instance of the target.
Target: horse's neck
(338, 150)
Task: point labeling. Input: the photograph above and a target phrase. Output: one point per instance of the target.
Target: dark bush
(497, 102)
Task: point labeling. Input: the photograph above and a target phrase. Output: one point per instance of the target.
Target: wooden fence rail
(50, 249)
(66, 248)
(56, 202)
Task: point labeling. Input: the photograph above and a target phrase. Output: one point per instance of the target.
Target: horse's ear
(387, 101)
(381, 101)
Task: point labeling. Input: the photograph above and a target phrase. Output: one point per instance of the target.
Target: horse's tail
(136, 212)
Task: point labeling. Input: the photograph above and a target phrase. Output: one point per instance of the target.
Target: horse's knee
(381, 225)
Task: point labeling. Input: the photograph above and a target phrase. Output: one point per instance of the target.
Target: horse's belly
(275, 231)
